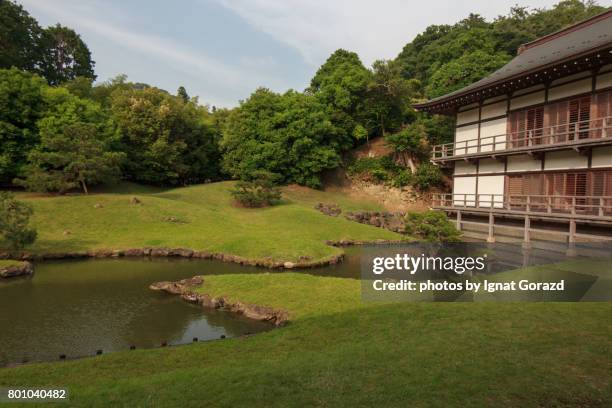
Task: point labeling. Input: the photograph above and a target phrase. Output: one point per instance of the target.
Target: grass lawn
(205, 219)
(341, 352)
(9, 262)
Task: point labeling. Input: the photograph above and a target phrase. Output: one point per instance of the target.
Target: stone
(22, 269)
(98, 205)
(135, 201)
(134, 252)
(66, 233)
(333, 210)
(288, 265)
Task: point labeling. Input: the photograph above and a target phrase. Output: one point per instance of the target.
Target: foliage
(426, 176)
(20, 38)
(433, 226)
(167, 141)
(388, 99)
(473, 40)
(66, 56)
(463, 71)
(260, 190)
(76, 156)
(290, 135)
(21, 106)
(57, 53)
(182, 93)
(14, 222)
(380, 170)
(341, 85)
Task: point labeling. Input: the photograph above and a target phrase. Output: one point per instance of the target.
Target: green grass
(207, 220)
(9, 262)
(341, 352)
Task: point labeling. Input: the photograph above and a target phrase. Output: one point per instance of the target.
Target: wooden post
(528, 205)
(526, 233)
(491, 236)
(573, 206)
(549, 207)
(571, 248)
(458, 220)
(572, 232)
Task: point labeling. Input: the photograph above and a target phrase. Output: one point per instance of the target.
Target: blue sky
(221, 50)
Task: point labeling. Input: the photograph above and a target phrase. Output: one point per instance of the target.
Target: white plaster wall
(466, 139)
(490, 128)
(603, 81)
(527, 100)
(467, 116)
(490, 166)
(523, 162)
(463, 167)
(575, 88)
(566, 159)
(493, 110)
(468, 107)
(464, 188)
(602, 157)
(490, 188)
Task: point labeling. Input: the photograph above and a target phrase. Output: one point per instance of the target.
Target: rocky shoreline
(19, 269)
(184, 288)
(303, 263)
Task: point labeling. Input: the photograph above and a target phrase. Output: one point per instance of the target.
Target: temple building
(533, 140)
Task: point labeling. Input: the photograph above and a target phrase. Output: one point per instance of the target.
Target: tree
(20, 38)
(14, 222)
(21, 106)
(388, 97)
(289, 135)
(75, 157)
(167, 141)
(259, 190)
(463, 71)
(341, 84)
(182, 93)
(66, 56)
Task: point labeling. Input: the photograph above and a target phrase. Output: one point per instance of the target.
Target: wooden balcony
(577, 135)
(583, 208)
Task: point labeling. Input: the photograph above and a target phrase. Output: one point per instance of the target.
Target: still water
(78, 307)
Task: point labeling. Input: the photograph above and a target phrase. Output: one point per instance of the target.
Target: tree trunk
(411, 164)
(84, 185)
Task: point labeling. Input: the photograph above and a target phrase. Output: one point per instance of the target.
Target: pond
(77, 307)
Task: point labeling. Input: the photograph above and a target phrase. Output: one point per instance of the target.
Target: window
(526, 127)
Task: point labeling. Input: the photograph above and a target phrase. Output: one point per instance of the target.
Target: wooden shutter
(535, 123)
(579, 116)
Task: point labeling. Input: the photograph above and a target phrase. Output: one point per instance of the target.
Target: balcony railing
(573, 133)
(568, 206)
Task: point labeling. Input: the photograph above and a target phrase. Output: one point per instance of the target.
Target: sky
(222, 50)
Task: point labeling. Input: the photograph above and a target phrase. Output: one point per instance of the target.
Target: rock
(98, 205)
(332, 210)
(135, 201)
(21, 269)
(288, 265)
(66, 233)
(158, 252)
(182, 252)
(134, 252)
(172, 219)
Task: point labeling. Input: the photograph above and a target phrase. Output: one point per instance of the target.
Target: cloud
(374, 29)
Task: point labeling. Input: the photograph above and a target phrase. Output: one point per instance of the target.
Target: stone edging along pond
(304, 262)
(184, 289)
(18, 269)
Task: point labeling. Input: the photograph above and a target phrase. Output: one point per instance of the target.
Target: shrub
(260, 190)
(14, 222)
(402, 178)
(426, 176)
(433, 226)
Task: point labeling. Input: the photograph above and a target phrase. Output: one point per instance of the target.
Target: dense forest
(60, 130)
